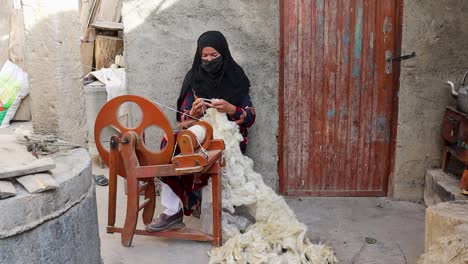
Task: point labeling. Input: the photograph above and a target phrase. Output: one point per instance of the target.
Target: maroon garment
(188, 190)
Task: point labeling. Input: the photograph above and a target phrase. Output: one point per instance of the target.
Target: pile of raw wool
(277, 236)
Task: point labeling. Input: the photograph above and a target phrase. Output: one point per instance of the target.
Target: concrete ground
(343, 223)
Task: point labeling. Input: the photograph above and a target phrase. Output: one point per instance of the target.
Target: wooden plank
(342, 131)
(32, 167)
(106, 25)
(24, 110)
(306, 33)
(6, 189)
(385, 98)
(17, 38)
(318, 123)
(388, 185)
(110, 10)
(37, 183)
(88, 35)
(365, 104)
(355, 82)
(293, 172)
(87, 56)
(331, 68)
(311, 94)
(368, 81)
(298, 100)
(183, 233)
(5, 26)
(282, 181)
(105, 50)
(341, 193)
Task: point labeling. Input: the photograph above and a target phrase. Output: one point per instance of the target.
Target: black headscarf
(230, 83)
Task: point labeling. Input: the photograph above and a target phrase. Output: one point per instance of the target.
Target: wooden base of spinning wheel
(130, 158)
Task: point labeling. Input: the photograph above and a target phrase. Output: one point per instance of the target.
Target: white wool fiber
(277, 236)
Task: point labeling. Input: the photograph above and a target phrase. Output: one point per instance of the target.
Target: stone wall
(52, 58)
(437, 31)
(160, 43)
(56, 226)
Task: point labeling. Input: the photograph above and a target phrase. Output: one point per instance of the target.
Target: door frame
(388, 188)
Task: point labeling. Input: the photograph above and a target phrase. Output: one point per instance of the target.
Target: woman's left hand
(223, 106)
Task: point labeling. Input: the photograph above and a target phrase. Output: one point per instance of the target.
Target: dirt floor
(361, 230)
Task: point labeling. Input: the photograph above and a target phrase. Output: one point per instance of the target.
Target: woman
(214, 75)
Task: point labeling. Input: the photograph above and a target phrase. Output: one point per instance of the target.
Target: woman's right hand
(198, 108)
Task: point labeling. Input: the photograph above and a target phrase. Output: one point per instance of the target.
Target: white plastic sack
(14, 86)
(114, 79)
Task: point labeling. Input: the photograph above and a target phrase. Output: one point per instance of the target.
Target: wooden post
(5, 13)
(105, 50)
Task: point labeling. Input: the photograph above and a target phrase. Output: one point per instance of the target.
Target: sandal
(101, 180)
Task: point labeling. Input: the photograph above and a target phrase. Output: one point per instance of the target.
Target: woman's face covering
(209, 54)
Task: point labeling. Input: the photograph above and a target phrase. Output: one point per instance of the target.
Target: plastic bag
(14, 87)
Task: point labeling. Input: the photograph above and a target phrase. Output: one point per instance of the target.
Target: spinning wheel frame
(151, 116)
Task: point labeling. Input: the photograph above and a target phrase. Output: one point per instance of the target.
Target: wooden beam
(24, 110)
(17, 39)
(87, 56)
(109, 10)
(91, 18)
(5, 26)
(116, 26)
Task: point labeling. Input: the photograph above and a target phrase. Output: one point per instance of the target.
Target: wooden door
(337, 91)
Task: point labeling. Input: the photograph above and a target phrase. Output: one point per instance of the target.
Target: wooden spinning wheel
(129, 157)
(152, 116)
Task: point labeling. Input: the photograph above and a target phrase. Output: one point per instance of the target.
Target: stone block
(6, 189)
(37, 183)
(35, 166)
(441, 220)
(451, 249)
(441, 187)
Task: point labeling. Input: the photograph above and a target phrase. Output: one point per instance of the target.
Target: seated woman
(214, 75)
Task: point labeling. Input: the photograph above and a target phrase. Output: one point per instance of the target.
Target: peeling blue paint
(383, 130)
(357, 42)
(345, 39)
(331, 113)
(320, 21)
(319, 4)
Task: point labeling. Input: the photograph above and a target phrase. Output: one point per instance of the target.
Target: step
(441, 187)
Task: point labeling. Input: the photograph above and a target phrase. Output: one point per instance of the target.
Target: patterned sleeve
(186, 105)
(245, 112)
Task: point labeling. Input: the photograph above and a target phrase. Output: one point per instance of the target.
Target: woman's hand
(198, 108)
(223, 106)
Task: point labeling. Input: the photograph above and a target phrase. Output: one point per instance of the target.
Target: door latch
(389, 60)
(405, 57)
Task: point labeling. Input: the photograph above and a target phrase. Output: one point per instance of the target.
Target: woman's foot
(166, 222)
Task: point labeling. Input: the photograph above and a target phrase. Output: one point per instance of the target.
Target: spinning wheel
(129, 157)
(152, 116)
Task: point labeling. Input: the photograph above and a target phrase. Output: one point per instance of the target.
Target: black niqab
(229, 83)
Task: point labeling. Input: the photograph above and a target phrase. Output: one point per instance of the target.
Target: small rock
(371, 240)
